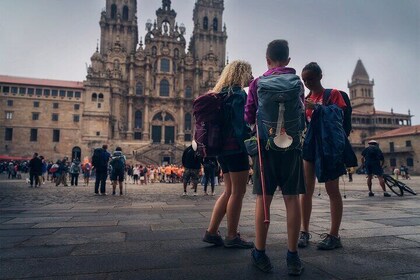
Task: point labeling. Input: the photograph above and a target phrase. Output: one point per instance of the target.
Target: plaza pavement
(154, 233)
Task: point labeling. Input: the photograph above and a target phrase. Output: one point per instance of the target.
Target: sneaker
(329, 242)
(304, 239)
(386, 194)
(371, 194)
(113, 193)
(263, 263)
(294, 266)
(184, 194)
(206, 193)
(238, 242)
(96, 193)
(215, 239)
(195, 194)
(103, 194)
(212, 194)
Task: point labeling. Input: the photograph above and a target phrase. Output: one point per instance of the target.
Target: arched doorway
(76, 152)
(163, 128)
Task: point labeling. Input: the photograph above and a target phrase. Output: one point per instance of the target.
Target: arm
(251, 103)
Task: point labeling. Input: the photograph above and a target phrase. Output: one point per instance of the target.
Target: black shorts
(234, 163)
(281, 169)
(117, 176)
(374, 169)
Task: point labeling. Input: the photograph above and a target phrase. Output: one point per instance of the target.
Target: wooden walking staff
(266, 220)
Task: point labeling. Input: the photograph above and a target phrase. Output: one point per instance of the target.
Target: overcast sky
(54, 39)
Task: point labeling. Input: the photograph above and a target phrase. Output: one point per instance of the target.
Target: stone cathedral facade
(139, 94)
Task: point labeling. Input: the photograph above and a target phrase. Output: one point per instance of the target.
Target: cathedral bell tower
(119, 24)
(209, 34)
(361, 89)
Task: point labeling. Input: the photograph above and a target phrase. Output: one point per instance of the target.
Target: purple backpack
(208, 114)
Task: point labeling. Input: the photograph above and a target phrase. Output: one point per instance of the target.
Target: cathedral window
(38, 91)
(187, 121)
(169, 117)
(56, 135)
(125, 13)
(138, 120)
(215, 24)
(205, 23)
(113, 11)
(100, 97)
(158, 117)
(188, 92)
(139, 89)
(70, 94)
(94, 97)
(164, 65)
(22, 90)
(164, 88)
(34, 135)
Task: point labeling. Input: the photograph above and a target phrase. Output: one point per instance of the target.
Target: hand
(309, 104)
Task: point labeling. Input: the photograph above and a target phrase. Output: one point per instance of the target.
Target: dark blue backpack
(347, 111)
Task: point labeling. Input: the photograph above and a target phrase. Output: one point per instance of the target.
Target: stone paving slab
(154, 233)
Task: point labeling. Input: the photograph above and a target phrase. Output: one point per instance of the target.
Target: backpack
(280, 107)
(118, 164)
(54, 168)
(97, 157)
(347, 111)
(208, 114)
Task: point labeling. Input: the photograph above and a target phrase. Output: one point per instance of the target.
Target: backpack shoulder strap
(327, 96)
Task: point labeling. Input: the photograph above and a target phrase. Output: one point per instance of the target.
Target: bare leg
(336, 205)
(219, 209)
(261, 228)
(369, 183)
(306, 199)
(293, 220)
(234, 206)
(382, 183)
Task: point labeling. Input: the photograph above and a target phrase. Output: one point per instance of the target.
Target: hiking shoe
(212, 194)
(294, 265)
(215, 239)
(386, 194)
(329, 242)
(304, 239)
(263, 262)
(195, 194)
(371, 194)
(113, 193)
(238, 242)
(184, 193)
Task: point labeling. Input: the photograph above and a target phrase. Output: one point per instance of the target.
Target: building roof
(360, 72)
(402, 131)
(40, 82)
(356, 112)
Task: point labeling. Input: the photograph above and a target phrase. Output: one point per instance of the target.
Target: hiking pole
(344, 187)
(266, 220)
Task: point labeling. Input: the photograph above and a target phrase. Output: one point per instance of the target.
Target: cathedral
(139, 95)
(139, 91)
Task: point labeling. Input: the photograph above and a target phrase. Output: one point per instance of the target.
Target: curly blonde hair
(238, 72)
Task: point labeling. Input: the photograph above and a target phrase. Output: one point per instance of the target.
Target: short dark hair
(104, 146)
(313, 67)
(118, 149)
(278, 50)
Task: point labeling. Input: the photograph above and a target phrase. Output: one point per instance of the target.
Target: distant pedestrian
(35, 170)
(210, 165)
(118, 169)
(100, 161)
(373, 160)
(192, 164)
(75, 170)
(87, 167)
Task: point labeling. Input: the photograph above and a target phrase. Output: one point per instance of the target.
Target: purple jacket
(252, 99)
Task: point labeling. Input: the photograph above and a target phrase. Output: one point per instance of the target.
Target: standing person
(74, 172)
(100, 160)
(210, 164)
(44, 170)
(118, 169)
(281, 167)
(312, 75)
(192, 164)
(35, 170)
(86, 172)
(136, 174)
(373, 160)
(62, 173)
(234, 159)
(350, 172)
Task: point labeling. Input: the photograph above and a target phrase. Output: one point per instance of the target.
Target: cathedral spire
(360, 72)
